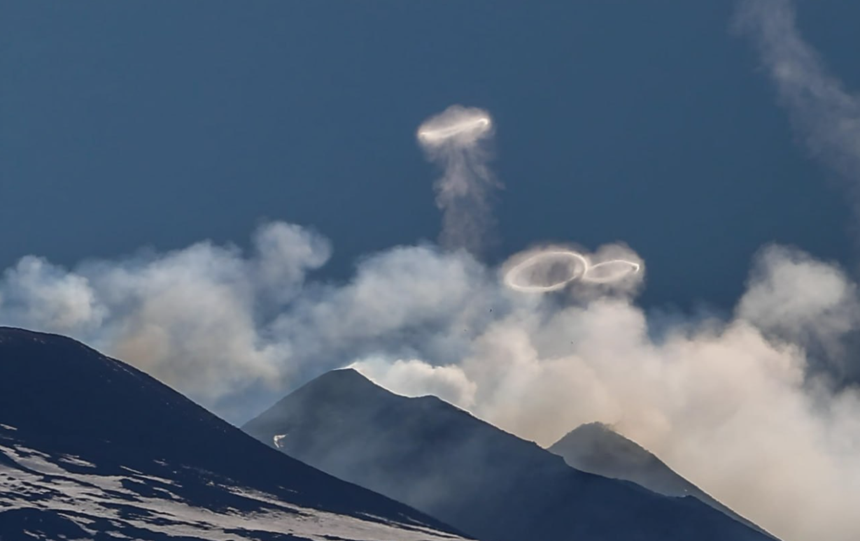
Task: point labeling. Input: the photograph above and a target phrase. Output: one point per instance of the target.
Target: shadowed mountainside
(480, 479)
(596, 448)
(91, 448)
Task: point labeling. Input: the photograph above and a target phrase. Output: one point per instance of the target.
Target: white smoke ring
(612, 271)
(513, 276)
(458, 125)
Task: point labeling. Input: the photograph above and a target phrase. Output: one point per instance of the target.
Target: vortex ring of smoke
(511, 277)
(628, 267)
(582, 271)
(473, 125)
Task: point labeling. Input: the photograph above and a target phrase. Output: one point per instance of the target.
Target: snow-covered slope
(480, 479)
(46, 497)
(91, 448)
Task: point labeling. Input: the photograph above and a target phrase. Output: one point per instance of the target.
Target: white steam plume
(825, 115)
(456, 140)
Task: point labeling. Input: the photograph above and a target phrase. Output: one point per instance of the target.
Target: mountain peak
(597, 448)
(345, 385)
(594, 444)
(342, 397)
(12, 336)
(344, 379)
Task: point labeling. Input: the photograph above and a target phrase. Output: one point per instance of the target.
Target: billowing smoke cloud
(826, 116)
(36, 292)
(456, 140)
(190, 318)
(728, 402)
(825, 319)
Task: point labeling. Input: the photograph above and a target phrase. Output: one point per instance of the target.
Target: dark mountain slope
(90, 445)
(470, 474)
(596, 448)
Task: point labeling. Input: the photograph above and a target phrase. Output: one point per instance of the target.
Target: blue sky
(137, 124)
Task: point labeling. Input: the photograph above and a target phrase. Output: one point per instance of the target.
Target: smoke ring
(467, 129)
(592, 273)
(513, 278)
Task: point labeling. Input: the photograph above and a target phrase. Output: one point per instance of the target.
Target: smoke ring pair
(580, 268)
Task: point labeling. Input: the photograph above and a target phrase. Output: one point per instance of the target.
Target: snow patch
(76, 461)
(90, 499)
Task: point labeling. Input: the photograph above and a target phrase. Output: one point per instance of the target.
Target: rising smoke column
(456, 140)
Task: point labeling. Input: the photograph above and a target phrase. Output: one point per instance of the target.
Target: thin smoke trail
(825, 115)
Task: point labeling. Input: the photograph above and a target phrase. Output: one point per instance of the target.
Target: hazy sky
(131, 124)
